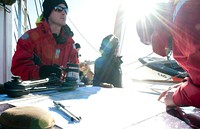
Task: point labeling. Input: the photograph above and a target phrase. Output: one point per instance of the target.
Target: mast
(19, 18)
(4, 47)
(25, 11)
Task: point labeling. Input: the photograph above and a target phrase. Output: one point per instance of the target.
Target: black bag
(8, 2)
(190, 115)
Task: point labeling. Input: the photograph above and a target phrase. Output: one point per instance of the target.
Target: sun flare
(140, 8)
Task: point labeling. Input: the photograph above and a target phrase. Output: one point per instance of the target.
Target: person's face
(78, 49)
(58, 15)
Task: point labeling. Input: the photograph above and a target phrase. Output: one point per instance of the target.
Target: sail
(119, 26)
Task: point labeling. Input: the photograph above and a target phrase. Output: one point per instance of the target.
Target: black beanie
(48, 6)
(77, 45)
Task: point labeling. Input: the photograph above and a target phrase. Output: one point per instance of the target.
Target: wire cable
(137, 61)
(41, 6)
(83, 36)
(29, 21)
(36, 8)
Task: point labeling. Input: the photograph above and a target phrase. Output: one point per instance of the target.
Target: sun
(143, 8)
(129, 12)
(139, 8)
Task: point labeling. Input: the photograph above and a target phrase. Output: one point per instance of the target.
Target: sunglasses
(60, 9)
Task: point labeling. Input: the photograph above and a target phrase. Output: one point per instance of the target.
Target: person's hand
(162, 95)
(63, 75)
(49, 70)
(168, 99)
(106, 85)
(170, 88)
(168, 96)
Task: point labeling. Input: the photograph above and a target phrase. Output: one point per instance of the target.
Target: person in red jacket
(44, 50)
(183, 25)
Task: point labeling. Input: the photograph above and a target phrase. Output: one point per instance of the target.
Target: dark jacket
(108, 70)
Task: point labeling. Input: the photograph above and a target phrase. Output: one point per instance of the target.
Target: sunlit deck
(133, 107)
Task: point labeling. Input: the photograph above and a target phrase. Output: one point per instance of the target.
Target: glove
(106, 85)
(48, 70)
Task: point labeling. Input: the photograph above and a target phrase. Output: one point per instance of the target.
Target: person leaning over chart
(47, 48)
(179, 19)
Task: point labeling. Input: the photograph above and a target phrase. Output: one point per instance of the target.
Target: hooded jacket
(108, 70)
(38, 47)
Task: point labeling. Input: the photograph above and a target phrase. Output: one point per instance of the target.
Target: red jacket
(38, 47)
(185, 31)
(186, 50)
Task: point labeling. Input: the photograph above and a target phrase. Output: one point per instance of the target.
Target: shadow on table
(78, 93)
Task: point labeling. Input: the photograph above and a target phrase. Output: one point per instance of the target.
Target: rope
(29, 22)
(137, 61)
(36, 8)
(83, 36)
(40, 6)
(16, 11)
